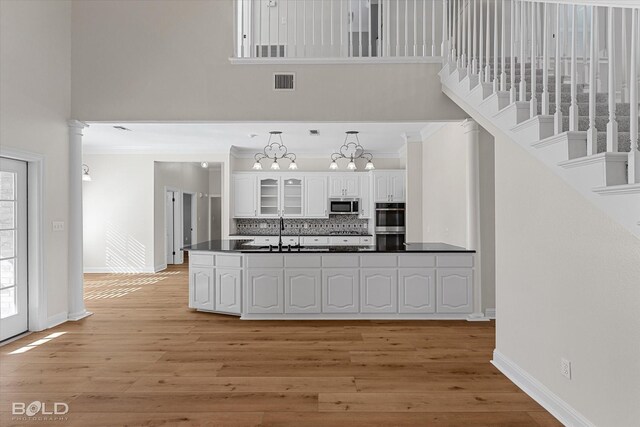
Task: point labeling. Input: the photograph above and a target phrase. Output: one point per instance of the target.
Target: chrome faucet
(280, 234)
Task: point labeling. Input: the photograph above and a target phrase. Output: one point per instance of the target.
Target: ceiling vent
(284, 81)
(314, 132)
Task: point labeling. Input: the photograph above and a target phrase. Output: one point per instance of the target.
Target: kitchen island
(415, 281)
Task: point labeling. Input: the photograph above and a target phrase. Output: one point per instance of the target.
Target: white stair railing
(560, 41)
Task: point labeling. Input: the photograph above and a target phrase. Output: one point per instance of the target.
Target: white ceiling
(379, 138)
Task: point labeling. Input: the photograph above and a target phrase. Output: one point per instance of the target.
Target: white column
(473, 212)
(75, 295)
(612, 125)
(557, 117)
(592, 132)
(634, 153)
(545, 61)
(573, 108)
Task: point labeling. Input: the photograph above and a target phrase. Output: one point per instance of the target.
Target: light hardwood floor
(144, 358)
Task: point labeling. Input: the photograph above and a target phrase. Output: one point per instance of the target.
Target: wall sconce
(85, 173)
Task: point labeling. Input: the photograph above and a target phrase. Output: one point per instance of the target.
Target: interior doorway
(14, 273)
(173, 224)
(215, 218)
(189, 219)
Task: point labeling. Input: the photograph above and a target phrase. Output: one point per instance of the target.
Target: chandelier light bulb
(333, 165)
(275, 166)
(257, 166)
(293, 166)
(352, 165)
(369, 166)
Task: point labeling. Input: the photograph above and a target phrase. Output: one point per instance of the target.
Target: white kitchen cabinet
(201, 288)
(244, 195)
(228, 290)
(454, 290)
(344, 185)
(265, 291)
(365, 196)
(316, 198)
(389, 186)
(417, 290)
(315, 240)
(378, 290)
(302, 290)
(269, 196)
(292, 200)
(340, 290)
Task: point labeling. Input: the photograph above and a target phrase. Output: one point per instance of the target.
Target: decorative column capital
(470, 125)
(77, 126)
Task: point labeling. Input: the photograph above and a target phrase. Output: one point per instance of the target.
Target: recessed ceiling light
(121, 128)
(204, 164)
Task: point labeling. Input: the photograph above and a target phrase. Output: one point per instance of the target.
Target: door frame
(37, 299)
(194, 217)
(177, 224)
(214, 196)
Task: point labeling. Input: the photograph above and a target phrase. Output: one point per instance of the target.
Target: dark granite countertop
(302, 235)
(242, 246)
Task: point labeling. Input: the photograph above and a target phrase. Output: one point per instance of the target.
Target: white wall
(35, 67)
(124, 208)
(169, 60)
(568, 285)
(437, 203)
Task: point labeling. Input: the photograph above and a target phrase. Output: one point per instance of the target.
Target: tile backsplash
(348, 224)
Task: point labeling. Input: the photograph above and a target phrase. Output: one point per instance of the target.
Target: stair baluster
(534, 100)
(474, 62)
(487, 71)
(573, 108)
(592, 132)
(634, 153)
(523, 53)
(495, 46)
(545, 61)
(557, 117)
(481, 45)
(445, 30)
(469, 34)
(512, 87)
(612, 125)
(503, 37)
(624, 89)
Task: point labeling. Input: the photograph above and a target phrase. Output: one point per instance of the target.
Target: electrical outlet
(565, 368)
(57, 226)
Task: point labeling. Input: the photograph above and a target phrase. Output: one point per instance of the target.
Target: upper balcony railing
(340, 30)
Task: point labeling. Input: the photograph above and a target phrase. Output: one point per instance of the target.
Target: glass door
(13, 248)
(292, 197)
(269, 188)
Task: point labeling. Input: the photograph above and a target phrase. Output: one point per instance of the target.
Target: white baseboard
(539, 392)
(57, 319)
(490, 313)
(160, 267)
(118, 270)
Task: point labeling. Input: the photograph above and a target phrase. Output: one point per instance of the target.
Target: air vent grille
(284, 81)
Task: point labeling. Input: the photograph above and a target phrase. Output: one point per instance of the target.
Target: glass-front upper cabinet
(269, 200)
(292, 197)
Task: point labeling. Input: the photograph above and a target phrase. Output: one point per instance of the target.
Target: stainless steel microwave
(343, 206)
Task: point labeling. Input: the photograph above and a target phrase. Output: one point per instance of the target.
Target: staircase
(603, 165)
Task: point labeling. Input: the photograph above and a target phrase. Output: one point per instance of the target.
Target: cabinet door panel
(417, 290)
(340, 291)
(455, 290)
(351, 185)
(378, 291)
(396, 187)
(316, 199)
(228, 285)
(244, 195)
(265, 291)
(269, 196)
(381, 190)
(201, 288)
(365, 196)
(302, 291)
(336, 186)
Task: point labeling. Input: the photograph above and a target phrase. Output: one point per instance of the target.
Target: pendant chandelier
(275, 150)
(351, 150)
